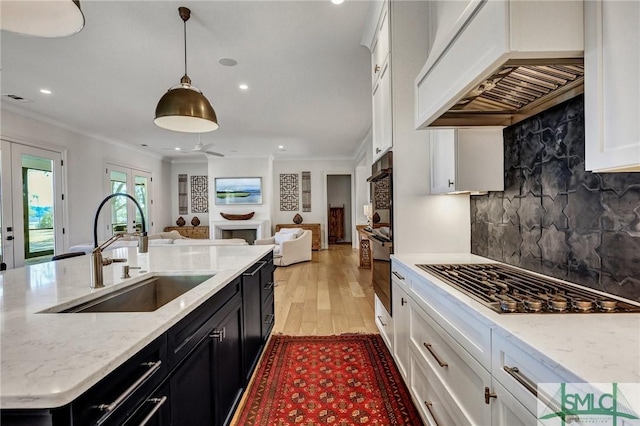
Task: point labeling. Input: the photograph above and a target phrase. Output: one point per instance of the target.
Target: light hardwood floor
(329, 295)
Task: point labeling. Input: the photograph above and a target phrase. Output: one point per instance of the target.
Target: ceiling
(308, 75)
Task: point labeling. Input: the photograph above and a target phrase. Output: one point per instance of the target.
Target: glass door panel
(119, 205)
(37, 200)
(142, 197)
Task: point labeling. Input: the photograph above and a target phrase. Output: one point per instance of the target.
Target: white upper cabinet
(472, 39)
(612, 86)
(381, 47)
(466, 160)
(382, 114)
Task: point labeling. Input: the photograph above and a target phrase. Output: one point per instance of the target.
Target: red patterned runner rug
(342, 380)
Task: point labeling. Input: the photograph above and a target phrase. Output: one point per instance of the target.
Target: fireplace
(249, 230)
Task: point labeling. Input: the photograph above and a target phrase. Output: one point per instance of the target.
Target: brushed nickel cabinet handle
(378, 150)
(403, 301)
(153, 368)
(398, 275)
(450, 182)
(429, 405)
(376, 68)
(488, 395)
(433, 354)
(158, 403)
(522, 379)
(381, 322)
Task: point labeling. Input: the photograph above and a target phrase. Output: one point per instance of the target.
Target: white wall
(85, 159)
(193, 168)
(319, 169)
(339, 194)
(241, 167)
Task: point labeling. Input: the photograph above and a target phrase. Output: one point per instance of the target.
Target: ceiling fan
(200, 148)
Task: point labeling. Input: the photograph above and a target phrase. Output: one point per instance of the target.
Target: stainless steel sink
(145, 296)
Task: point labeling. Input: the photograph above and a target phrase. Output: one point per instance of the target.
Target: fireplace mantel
(262, 227)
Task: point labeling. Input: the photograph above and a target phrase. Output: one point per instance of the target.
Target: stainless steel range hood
(516, 91)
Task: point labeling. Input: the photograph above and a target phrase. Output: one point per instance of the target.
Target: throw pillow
(281, 237)
(297, 231)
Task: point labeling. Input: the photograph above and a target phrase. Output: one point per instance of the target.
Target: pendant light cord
(185, 47)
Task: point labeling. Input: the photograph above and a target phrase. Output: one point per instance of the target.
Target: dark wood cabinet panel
(336, 224)
(251, 303)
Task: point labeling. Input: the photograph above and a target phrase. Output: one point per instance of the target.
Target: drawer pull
(488, 395)
(433, 354)
(522, 379)
(398, 275)
(381, 322)
(429, 405)
(258, 266)
(110, 408)
(403, 301)
(269, 319)
(269, 286)
(158, 403)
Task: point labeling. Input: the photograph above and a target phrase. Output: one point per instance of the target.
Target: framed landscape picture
(238, 190)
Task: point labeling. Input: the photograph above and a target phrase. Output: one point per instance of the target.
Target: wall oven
(381, 234)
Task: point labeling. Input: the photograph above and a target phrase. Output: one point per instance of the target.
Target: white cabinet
(384, 322)
(466, 160)
(401, 330)
(507, 411)
(382, 114)
(612, 86)
(381, 47)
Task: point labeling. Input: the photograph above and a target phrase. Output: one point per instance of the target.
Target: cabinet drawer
(119, 394)
(384, 322)
(468, 328)
(185, 335)
(401, 275)
(460, 373)
(430, 395)
(527, 368)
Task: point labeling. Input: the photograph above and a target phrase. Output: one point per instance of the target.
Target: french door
(32, 207)
(124, 216)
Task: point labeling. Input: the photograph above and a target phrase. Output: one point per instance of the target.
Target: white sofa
(293, 245)
(163, 239)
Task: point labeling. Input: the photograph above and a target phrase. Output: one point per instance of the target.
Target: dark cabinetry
(257, 301)
(193, 374)
(206, 387)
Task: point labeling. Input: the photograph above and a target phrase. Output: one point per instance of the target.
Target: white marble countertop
(597, 348)
(49, 359)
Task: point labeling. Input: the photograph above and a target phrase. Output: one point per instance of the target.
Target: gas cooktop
(510, 290)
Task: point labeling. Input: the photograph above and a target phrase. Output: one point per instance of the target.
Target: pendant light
(184, 108)
(54, 18)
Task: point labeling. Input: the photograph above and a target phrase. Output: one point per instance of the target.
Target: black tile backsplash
(556, 218)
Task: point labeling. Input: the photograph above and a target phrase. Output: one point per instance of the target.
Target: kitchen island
(50, 359)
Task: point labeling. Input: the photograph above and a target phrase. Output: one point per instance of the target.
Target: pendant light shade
(184, 108)
(52, 18)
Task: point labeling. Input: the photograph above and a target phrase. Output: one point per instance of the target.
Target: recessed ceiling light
(177, 148)
(227, 62)
(45, 91)
(280, 146)
(243, 86)
(337, 1)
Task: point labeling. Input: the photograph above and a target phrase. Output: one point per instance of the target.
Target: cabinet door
(442, 161)
(507, 411)
(384, 113)
(251, 304)
(191, 388)
(401, 333)
(612, 87)
(377, 119)
(383, 46)
(228, 378)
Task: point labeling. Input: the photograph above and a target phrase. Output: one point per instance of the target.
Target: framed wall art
(232, 191)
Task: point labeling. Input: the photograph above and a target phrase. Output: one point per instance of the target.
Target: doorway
(339, 210)
(32, 208)
(124, 216)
